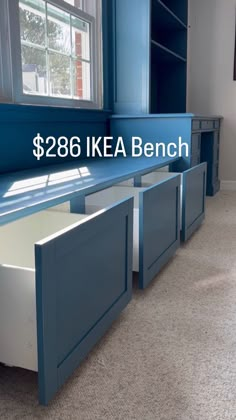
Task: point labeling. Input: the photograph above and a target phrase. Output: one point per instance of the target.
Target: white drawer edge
(18, 330)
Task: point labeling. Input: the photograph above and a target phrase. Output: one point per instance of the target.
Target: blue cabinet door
(83, 281)
(194, 195)
(159, 227)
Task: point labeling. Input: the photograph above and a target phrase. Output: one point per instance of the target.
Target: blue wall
(19, 124)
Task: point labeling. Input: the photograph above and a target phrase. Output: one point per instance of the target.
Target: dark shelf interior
(163, 17)
(168, 82)
(168, 56)
(167, 31)
(179, 8)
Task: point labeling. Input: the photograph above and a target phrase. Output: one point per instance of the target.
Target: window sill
(11, 113)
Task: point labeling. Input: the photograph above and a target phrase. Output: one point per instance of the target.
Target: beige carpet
(172, 353)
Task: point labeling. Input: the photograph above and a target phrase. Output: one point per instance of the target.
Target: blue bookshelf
(150, 56)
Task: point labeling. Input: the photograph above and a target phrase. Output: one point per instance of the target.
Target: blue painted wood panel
(131, 55)
(78, 293)
(159, 227)
(194, 195)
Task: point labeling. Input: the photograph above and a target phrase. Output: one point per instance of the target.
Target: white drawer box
(105, 198)
(18, 331)
(130, 182)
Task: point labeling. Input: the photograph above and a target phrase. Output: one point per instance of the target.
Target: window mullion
(46, 47)
(32, 45)
(79, 13)
(71, 62)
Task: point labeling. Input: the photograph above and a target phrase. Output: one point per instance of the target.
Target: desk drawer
(193, 194)
(207, 125)
(196, 125)
(61, 282)
(156, 222)
(217, 124)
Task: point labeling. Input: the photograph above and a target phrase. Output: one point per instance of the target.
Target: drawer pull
(207, 125)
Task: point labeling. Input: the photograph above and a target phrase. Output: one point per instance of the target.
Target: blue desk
(202, 133)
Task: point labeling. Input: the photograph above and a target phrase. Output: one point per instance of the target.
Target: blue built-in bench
(56, 289)
(61, 294)
(27, 192)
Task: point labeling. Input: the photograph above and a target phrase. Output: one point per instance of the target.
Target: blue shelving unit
(150, 58)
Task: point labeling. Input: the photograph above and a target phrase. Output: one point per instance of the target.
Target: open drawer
(58, 295)
(156, 223)
(193, 195)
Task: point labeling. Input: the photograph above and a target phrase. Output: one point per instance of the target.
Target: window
(55, 52)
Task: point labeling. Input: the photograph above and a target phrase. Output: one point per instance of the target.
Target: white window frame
(11, 81)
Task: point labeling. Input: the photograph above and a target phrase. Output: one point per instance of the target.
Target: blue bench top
(27, 192)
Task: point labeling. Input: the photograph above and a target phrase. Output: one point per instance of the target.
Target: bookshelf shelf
(165, 54)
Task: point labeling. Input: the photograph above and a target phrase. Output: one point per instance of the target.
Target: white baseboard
(228, 185)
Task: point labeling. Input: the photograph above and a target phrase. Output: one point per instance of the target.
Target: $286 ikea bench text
(105, 147)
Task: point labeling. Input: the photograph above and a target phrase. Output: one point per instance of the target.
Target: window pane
(80, 38)
(34, 70)
(75, 3)
(59, 71)
(88, 6)
(81, 80)
(58, 30)
(56, 49)
(32, 21)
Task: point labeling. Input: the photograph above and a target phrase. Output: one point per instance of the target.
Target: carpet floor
(171, 355)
